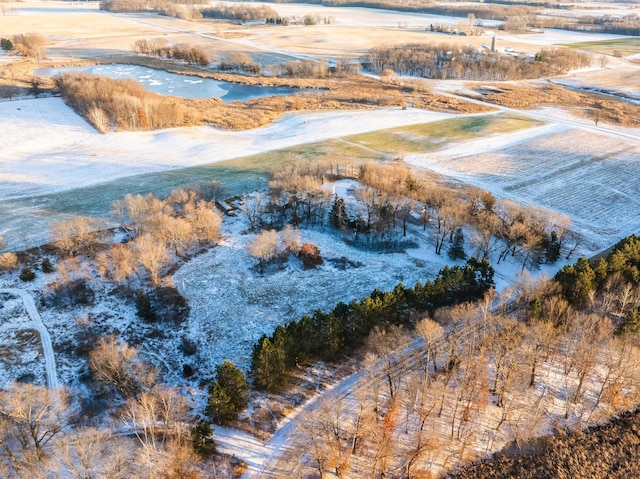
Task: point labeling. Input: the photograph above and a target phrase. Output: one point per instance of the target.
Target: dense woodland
(468, 63)
(491, 374)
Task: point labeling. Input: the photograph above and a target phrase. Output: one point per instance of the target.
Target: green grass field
(626, 46)
(429, 137)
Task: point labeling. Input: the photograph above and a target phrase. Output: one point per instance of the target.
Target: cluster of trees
(308, 19)
(270, 248)
(301, 69)
(239, 61)
(182, 52)
(30, 45)
(610, 285)
(183, 9)
(328, 336)
(392, 196)
(39, 436)
(160, 233)
(243, 13)
(480, 379)
(469, 63)
(296, 195)
(159, 229)
(626, 25)
(124, 104)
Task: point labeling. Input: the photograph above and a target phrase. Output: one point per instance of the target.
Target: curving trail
(45, 338)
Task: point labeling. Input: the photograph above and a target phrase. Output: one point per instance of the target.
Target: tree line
(243, 13)
(469, 63)
(389, 197)
(159, 48)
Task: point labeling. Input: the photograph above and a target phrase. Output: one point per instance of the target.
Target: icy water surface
(172, 84)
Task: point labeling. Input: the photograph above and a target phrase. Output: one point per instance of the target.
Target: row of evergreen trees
(328, 336)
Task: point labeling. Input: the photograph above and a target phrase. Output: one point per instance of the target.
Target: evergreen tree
(220, 406)
(144, 308)
(456, 250)
(577, 282)
(338, 214)
(268, 364)
(631, 323)
(6, 44)
(228, 394)
(202, 438)
(551, 248)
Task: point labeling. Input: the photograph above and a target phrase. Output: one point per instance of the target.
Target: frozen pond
(172, 84)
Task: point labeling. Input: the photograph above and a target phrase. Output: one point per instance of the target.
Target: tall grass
(122, 104)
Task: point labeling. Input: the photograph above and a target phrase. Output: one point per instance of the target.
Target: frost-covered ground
(20, 351)
(45, 147)
(582, 173)
(232, 304)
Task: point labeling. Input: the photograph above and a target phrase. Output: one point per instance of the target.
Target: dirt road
(45, 338)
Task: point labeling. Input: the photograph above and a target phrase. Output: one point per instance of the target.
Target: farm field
(584, 175)
(626, 46)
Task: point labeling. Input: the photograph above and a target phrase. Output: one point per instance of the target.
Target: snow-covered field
(580, 173)
(45, 147)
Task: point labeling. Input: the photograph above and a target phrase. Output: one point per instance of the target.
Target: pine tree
(228, 395)
(631, 323)
(552, 248)
(268, 364)
(202, 438)
(338, 214)
(144, 308)
(456, 250)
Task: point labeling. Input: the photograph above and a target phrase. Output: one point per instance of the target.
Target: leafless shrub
(30, 45)
(8, 261)
(116, 364)
(310, 256)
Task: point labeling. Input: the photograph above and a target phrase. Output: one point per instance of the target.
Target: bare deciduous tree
(264, 246)
(116, 364)
(152, 255)
(30, 417)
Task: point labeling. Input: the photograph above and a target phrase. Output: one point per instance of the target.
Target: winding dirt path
(45, 338)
